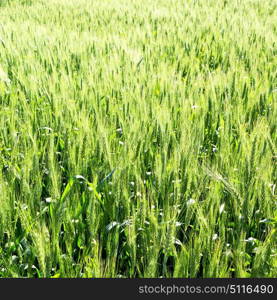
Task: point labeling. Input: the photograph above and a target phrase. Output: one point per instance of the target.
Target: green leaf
(67, 189)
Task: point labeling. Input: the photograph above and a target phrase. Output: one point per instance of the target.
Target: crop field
(138, 138)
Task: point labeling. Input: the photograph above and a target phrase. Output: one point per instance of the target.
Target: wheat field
(138, 138)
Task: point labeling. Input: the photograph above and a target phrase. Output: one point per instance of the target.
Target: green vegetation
(138, 138)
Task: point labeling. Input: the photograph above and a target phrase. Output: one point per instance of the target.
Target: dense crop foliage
(138, 138)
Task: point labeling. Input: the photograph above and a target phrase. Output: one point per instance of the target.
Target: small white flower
(14, 257)
(191, 201)
(215, 236)
(250, 240)
(48, 200)
(24, 206)
(80, 177)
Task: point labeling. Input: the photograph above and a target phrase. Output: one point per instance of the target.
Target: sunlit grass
(138, 138)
